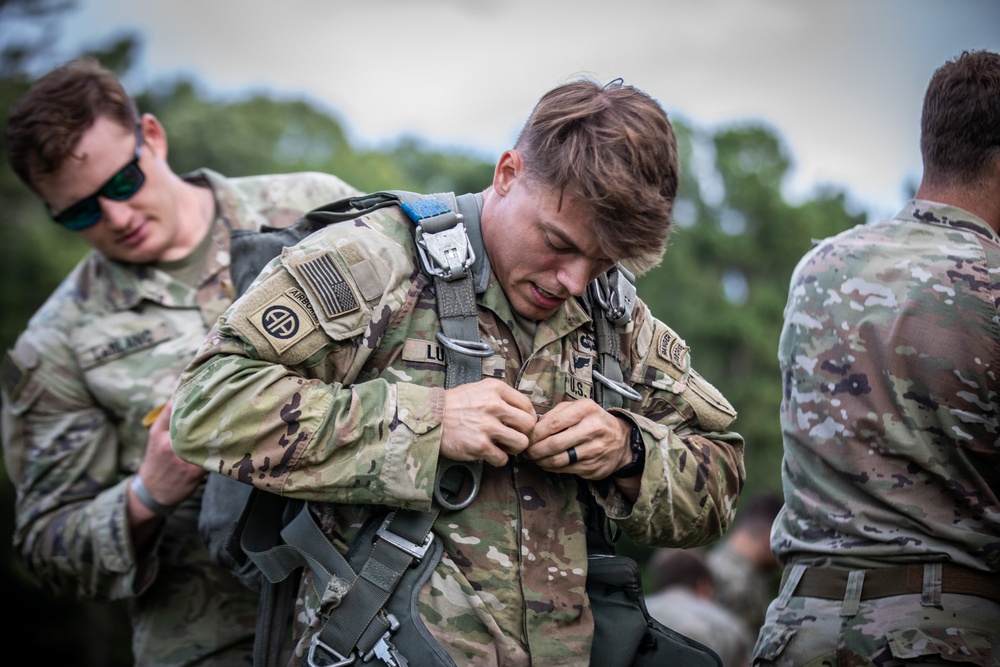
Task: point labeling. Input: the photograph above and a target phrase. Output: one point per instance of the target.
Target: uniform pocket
(966, 647)
(771, 642)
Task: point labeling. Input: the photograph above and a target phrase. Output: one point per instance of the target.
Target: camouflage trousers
(898, 631)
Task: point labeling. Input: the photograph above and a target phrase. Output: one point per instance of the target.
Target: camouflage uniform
(705, 621)
(890, 419)
(104, 350)
(344, 409)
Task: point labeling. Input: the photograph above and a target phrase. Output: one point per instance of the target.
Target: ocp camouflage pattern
(889, 357)
(105, 349)
(332, 391)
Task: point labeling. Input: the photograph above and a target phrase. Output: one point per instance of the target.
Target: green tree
(724, 279)
(722, 283)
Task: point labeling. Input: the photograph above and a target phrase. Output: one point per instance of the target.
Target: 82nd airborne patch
(286, 319)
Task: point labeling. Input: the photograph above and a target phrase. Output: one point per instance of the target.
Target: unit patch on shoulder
(674, 350)
(286, 319)
(335, 295)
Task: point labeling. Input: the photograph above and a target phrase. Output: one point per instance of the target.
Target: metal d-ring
(618, 387)
(473, 348)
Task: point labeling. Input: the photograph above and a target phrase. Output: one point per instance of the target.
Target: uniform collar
(944, 215)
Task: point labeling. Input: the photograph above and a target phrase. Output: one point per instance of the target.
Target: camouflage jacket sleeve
(694, 464)
(61, 451)
(316, 428)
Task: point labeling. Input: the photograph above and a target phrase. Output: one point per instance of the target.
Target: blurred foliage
(721, 286)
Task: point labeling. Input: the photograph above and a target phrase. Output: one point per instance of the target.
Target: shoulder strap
(359, 624)
(610, 300)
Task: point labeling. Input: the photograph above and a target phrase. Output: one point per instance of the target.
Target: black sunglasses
(120, 187)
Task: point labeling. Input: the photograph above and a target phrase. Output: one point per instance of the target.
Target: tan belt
(831, 584)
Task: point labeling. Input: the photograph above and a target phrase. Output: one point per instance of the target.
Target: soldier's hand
(168, 478)
(599, 440)
(485, 421)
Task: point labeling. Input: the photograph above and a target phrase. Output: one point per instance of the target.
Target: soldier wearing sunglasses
(105, 510)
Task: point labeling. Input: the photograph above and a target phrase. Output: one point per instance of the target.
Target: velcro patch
(363, 271)
(285, 320)
(116, 347)
(673, 350)
(577, 388)
(423, 352)
(583, 365)
(335, 295)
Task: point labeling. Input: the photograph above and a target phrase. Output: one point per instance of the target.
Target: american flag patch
(334, 294)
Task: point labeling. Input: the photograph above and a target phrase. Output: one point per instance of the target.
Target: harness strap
(610, 299)
(359, 622)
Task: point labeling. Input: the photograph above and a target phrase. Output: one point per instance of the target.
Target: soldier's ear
(509, 168)
(154, 137)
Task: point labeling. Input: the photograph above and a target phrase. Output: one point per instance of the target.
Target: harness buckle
(614, 291)
(446, 254)
(416, 550)
(317, 646)
(474, 348)
(384, 649)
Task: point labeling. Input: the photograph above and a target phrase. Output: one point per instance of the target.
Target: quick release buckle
(416, 550)
(384, 649)
(317, 645)
(614, 291)
(446, 254)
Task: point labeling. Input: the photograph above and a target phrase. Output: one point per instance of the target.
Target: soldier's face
(542, 250)
(139, 230)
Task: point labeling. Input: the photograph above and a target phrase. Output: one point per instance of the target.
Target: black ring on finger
(571, 453)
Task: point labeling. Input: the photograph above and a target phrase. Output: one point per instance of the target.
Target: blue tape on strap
(424, 208)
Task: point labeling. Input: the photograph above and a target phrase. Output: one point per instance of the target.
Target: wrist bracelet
(142, 493)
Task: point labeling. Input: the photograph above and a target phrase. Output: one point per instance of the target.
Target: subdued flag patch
(334, 294)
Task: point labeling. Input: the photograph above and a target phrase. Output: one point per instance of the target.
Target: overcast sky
(841, 81)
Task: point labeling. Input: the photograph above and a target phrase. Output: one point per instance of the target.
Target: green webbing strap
(607, 363)
(447, 257)
(610, 299)
(360, 622)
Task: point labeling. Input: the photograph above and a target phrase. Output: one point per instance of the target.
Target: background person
(348, 409)
(105, 510)
(744, 569)
(890, 532)
(683, 598)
